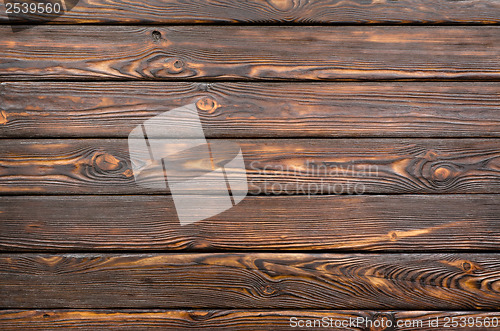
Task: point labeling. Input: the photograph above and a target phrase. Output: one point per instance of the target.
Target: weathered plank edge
(251, 53)
(254, 110)
(198, 319)
(252, 280)
(284, 12)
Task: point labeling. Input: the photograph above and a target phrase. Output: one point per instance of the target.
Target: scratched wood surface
(251, 280)
(65, 319)
(313, 53)
(285, 166)
(390, 223)
(400, 98)
(254, 110)
(275, 11)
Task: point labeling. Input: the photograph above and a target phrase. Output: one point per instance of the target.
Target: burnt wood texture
(257, 319)
(254, 110)
(370, 135)
(275, 11)
(314, 53)
(239, 280)
(362, 223)
(295, 166)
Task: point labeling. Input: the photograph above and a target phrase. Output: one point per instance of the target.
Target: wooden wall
(409, 89)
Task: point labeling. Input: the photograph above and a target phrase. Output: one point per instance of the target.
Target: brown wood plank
(275, 11)
(273, 167)
(372, 223)
(250, 52)
(198, 319)
(258, 280)
(255, 110)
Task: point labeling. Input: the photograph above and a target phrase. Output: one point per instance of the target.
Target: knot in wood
(444, 174)
(207, 104)
(393, 235)
(175, 66)
(156, 35)
(441, 173)
(268, 290)
(107, 162)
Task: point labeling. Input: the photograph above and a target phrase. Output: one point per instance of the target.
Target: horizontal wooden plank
(250, 52)
(255, 110)
(258, 280)
(273, 167)
(273, 11)
(241, 320)
(371, 223)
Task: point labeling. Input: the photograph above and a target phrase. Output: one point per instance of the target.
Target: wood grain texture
(231, 320)
(250, 52)
(258, 280)
(273, 167)
(276, 11)
(255, 110)
(409, 223)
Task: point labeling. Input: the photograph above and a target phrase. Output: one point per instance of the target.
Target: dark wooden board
(240, 320)
(83, 246)
(250, 52)
(281, 166)
(257, 280)
(276, 11)
(255, 110)
(409, 223)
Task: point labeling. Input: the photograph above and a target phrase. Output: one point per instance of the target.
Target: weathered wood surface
(255, 110)
(240, 320)
(258, 280)
(283, 166)
(250, 52)
(365, 223)
(275, 11)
